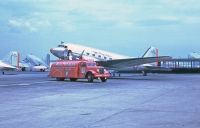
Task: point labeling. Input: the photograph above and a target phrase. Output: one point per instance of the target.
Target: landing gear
(42, 70)
(144, 73)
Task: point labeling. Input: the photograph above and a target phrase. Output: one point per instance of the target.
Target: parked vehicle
(78, 69)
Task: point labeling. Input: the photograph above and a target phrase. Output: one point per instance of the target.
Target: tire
(60, 79)
(73, 79)
(103, 79)
(90, 77)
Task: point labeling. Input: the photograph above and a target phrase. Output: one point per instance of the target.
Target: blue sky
(124, 26)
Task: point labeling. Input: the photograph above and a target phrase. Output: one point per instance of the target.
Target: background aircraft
(8, 62)
(6, 67)
(112, 61)
(33, 63)
(194, 55)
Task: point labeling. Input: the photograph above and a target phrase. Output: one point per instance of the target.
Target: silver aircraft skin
(113, 61)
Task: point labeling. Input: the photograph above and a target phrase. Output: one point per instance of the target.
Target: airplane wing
(5, 66)
(121, 63)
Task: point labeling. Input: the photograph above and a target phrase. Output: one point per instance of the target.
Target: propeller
(81, 55)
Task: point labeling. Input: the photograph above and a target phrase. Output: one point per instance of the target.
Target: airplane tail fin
(151, 52)
(12, 58)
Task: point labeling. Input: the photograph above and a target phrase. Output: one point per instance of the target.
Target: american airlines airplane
(112, 61)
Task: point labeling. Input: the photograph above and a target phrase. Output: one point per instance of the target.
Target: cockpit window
(60, 45)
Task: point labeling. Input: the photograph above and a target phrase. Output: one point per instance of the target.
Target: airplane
(33, 63)
(7, 64)
(112, 61)
(6, 67)
(194, 55)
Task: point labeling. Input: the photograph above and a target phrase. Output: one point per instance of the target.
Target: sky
(127, 27)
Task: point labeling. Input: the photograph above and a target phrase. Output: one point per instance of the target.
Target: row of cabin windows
(99, 56)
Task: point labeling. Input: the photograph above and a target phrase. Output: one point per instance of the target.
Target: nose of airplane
(51, 50)
(55, 50)
(58, 52)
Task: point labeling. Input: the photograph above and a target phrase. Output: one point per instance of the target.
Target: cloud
(74, 15)
(83, 12)
(31, 25)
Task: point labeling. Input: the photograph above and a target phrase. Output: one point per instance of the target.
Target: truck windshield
(91, 64)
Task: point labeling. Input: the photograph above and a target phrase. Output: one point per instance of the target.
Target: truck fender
(90, 71)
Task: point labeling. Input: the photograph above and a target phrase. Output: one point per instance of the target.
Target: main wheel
(73, 79)
(103, 79)
(90, 77)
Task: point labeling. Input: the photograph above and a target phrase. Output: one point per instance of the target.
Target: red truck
(78, 69)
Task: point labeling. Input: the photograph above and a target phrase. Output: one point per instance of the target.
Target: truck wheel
(73, 79)
(60, 79)
(90, 77)
(103, 79)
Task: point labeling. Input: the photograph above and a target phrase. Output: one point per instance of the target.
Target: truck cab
(78, 69)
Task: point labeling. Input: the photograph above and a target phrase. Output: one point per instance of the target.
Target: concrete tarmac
(32, 100)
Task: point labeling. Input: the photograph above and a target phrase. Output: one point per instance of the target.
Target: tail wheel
(90, 77)
(144, 73)
(60, 79)
(103, 79)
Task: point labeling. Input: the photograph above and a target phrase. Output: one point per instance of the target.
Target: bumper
(102, 75)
